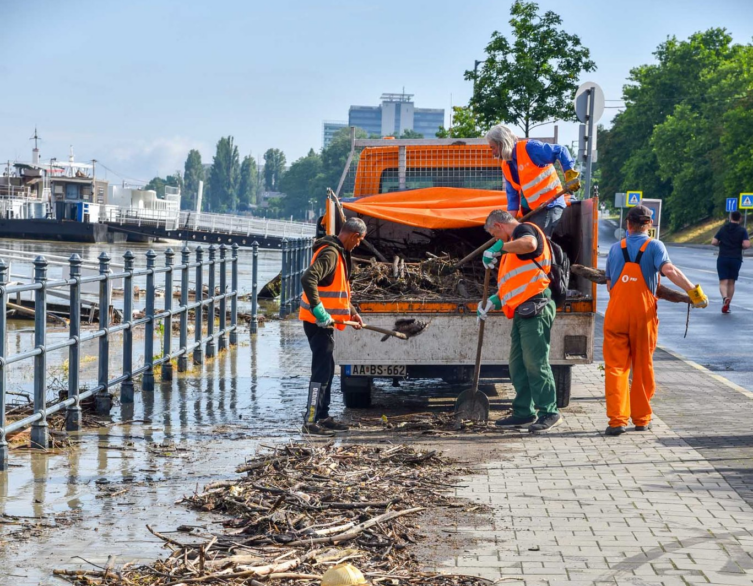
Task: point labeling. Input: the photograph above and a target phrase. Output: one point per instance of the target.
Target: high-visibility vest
(537, 184)
(519, 280)
(335, 297)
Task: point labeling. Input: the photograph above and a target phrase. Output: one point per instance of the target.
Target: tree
(274, 167)
(299, 184)
(465, 124)
(531, 80)
(248, 182)
(333, 163)
(158, 184)
(225, 176)
(193, 172)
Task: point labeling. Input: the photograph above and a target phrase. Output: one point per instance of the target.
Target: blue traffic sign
(746, 201)
(634, 198)
(731, 204)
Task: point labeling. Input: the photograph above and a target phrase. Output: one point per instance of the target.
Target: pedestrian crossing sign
(746, 201)
(634, 198)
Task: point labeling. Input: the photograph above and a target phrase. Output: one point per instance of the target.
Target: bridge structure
(205, 228)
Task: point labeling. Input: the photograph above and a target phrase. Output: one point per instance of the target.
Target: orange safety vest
(519, 280)
(334, 297)
(537, 184)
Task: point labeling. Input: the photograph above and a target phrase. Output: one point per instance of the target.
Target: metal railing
(296, 257)
(207, 339)
(213, 223)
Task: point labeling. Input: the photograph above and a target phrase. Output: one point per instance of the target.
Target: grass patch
(698, 234)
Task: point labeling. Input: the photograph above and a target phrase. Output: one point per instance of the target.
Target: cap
(639, 215)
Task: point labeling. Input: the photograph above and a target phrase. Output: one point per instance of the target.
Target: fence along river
(161, 274)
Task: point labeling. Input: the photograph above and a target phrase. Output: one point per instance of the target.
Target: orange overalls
(630, 331)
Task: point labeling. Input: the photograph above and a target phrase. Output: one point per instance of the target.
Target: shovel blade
(472, 404)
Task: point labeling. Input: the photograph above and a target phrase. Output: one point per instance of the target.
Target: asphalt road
(721, 342)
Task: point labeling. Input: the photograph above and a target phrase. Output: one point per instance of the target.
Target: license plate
(376, 370)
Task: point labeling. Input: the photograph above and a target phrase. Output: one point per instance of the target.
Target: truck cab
(446, 349)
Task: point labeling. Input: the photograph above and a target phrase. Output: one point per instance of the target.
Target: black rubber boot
(619, 430)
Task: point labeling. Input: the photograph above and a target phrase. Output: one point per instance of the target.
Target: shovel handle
(483, 247)
(385, 331)
(477, 370)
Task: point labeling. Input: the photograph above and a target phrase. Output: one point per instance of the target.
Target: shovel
(472, 403)
(384, 331)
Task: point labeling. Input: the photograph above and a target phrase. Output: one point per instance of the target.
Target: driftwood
(597, 276)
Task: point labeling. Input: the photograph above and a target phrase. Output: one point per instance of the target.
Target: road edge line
(717, 377)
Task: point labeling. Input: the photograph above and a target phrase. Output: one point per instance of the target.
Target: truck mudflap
(451, 339)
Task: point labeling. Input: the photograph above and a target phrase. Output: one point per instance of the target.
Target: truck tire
(563, 376)
(356, 391)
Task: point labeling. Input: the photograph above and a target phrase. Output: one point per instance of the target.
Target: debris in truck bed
(301, 509)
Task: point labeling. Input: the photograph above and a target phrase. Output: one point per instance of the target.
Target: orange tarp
(432, 207)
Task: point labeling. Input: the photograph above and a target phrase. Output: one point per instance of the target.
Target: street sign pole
(589, 148)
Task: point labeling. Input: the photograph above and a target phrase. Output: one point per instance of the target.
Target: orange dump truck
(418, 197)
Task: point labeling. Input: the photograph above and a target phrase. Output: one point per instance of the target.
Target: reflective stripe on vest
(519, 280)
(335, 297)
(537, 184)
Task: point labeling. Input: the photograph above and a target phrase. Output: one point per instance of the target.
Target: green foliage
(193, 172)
(530, 77)
(465, 124)
(299, 185)
(408, 133)
(224, 177)
(158, 184)
(248, 183)
(685, 135)
(274, 167)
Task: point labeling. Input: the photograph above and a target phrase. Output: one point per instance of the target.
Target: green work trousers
(530, 371)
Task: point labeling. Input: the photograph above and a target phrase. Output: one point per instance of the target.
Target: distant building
(396, 114)
(330, 129)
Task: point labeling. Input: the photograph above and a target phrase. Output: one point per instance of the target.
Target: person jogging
(732, 239)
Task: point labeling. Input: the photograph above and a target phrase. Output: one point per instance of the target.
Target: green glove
(496, 302)
(492, 303)
(492, 253)
(323, 319)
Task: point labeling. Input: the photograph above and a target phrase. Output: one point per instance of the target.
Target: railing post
(126, 387)
(211, 346)
(102, 400)
(147, 383)
(284, 278)
(255, 288)
(301, 268)
(39, 428)
(73, 412)
(234, 299)
(223, 301)
(3, 378)
(167, 334)
(185, 259)
(198, 351)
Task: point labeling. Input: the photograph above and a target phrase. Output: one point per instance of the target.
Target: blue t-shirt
(542, 154)
(654, 258)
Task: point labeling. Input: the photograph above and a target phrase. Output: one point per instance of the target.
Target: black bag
(532, 307)
(559, 276)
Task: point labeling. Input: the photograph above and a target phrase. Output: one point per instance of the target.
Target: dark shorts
(728, 268)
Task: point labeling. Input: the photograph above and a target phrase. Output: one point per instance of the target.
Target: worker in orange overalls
(631, 323)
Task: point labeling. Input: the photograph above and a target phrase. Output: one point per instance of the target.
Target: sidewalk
(671, 506)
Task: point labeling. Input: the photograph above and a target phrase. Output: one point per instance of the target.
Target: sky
(135, 84)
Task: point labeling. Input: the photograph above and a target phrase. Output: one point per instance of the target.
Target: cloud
(145, 159)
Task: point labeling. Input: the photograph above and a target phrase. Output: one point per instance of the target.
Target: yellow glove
(574, 176)
(698, 297)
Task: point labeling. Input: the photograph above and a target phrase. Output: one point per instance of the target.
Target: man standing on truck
(731, 239)
(325, 304)
(531, 179)
(523, 294)
(631, 324)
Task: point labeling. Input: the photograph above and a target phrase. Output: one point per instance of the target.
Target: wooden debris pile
(302, 509)
(432, 278)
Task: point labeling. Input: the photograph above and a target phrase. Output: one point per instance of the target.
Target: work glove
(698, 297)
(323, 319)
(573, 175)
(491, 254)
(484, 308)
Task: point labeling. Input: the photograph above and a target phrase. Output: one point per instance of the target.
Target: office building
(396, 114)
(330, 129)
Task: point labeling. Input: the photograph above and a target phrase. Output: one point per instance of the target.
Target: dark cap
(639, 215)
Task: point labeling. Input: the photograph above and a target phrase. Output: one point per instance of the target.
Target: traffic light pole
(589, 144)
